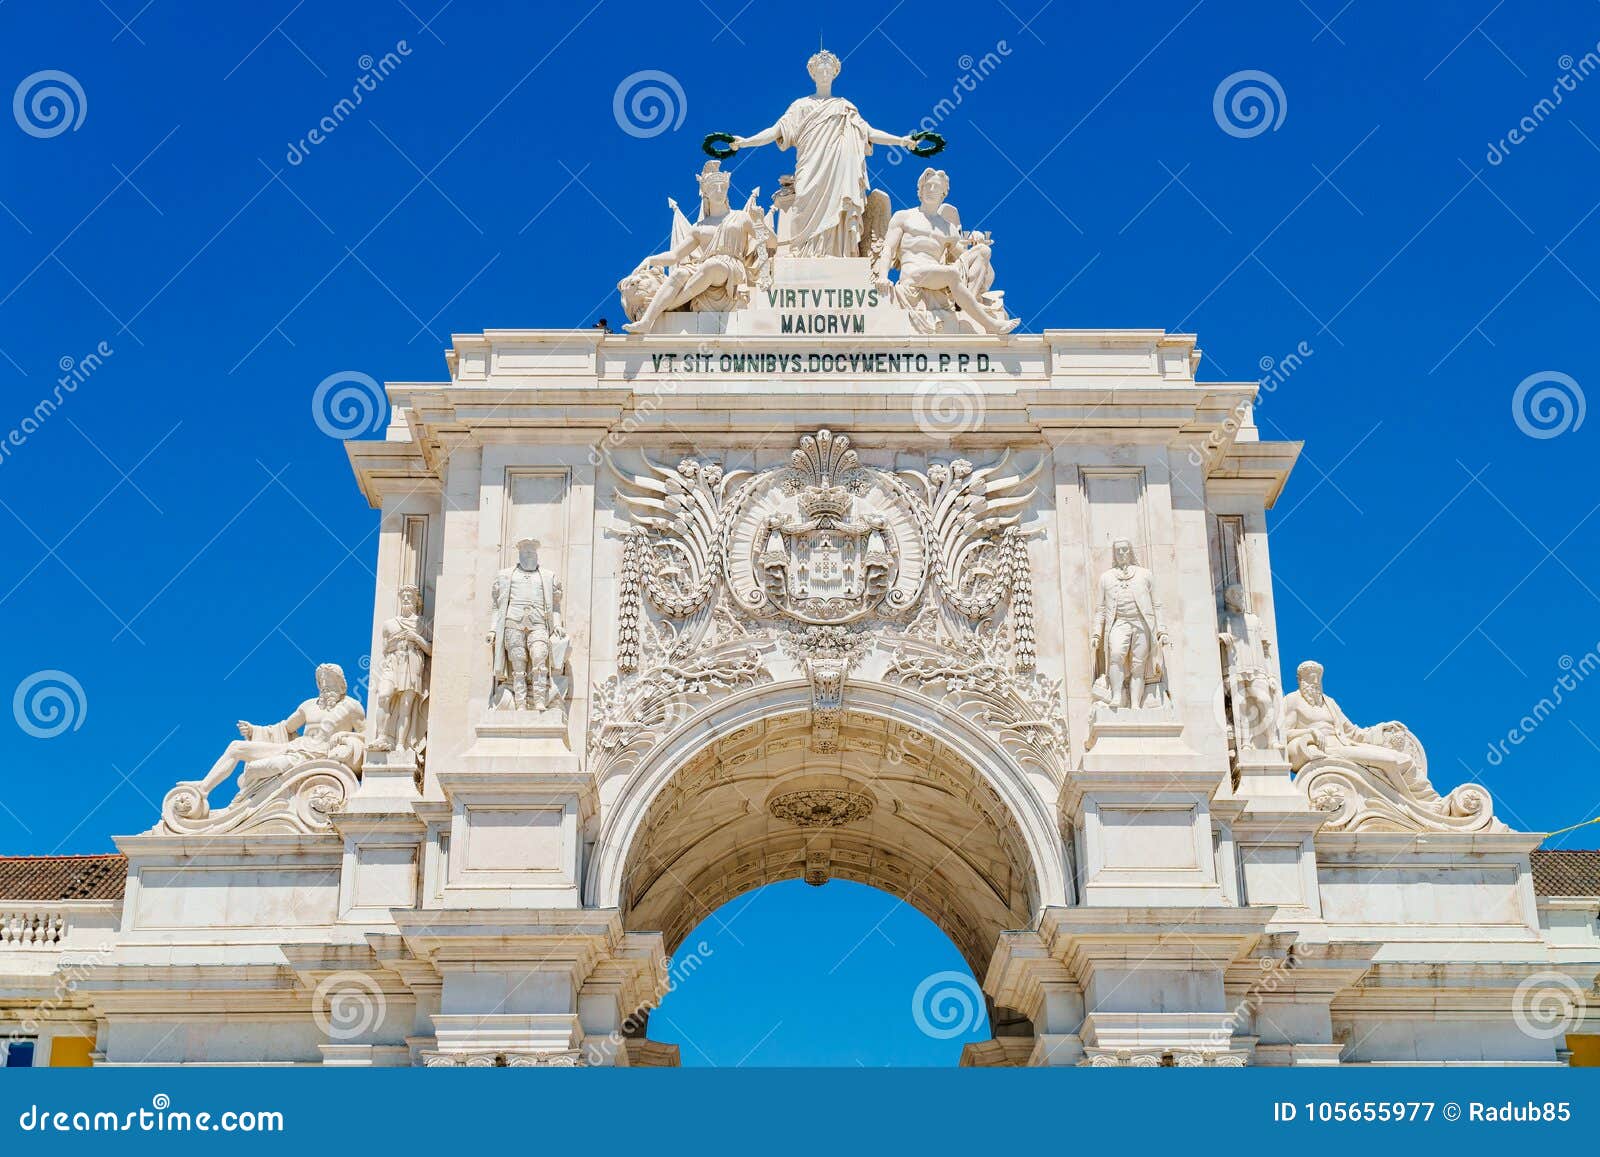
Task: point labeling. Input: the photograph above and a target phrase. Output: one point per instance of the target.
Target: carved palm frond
(686, 505)
(971, 516)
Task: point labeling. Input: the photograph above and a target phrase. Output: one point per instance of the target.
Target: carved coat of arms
(822, 560)
(829, 551)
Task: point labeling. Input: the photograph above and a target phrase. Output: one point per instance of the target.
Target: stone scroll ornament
(824, 551)
(1371, 779)
(296, 773)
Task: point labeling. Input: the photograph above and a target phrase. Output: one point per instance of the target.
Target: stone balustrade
(25, 928)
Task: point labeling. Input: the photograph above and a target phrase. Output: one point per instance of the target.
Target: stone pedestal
(1140, 807)
(514, 837)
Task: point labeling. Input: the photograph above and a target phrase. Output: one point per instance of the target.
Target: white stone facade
(837, 580)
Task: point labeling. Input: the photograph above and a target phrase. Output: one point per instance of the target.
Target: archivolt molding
(894, 808)
(987, 674)
(884, 743)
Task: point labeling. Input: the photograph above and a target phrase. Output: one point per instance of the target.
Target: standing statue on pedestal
(530, 647)
(1247, 659)
(1128, 620)
(398, 711)
(711, 260)
(940, 266)
(330, 727)
(1317, 729)
(831, 141)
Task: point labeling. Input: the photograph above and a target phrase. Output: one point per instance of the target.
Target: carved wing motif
(685, 508)
(971, 518)
(675, 553)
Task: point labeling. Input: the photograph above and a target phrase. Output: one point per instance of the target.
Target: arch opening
(893, 808)
(837, 976)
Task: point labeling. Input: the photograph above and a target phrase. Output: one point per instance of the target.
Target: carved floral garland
(984, 673)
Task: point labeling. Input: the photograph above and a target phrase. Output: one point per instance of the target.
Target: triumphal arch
(819, 568)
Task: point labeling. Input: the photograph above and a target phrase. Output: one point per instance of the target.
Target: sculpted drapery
(831, 143)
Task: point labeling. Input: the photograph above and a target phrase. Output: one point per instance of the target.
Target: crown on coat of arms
(825, 502)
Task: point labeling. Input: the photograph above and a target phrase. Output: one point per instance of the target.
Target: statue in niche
(940, 266)
(1129, 637)
(530, 646)
(711, 260)
(1247, 658)
(329, 727)
(399, 711)
(1317, 729)
(831, 141)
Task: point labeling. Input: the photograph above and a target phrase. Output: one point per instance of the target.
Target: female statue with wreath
(831, 141)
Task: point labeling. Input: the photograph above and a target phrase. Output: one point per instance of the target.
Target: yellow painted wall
(71, 1052)
(1585, 1051)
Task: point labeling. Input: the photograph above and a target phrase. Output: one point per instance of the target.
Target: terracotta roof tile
(63, 877)
(1566, 873)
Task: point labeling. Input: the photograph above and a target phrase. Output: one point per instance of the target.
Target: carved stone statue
(1247, 655)
(1371, 779)
(940, 266)
(1128, 621)
(831, 141)
(399, 720)
(329, 727)
(711, 259)
(1317, 729)
(530, 646)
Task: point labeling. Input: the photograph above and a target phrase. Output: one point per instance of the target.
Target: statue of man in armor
(397, 708)
(1247, 654)
(1128, 620)
(530, 647)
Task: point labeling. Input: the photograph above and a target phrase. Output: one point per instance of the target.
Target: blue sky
(184, 541)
